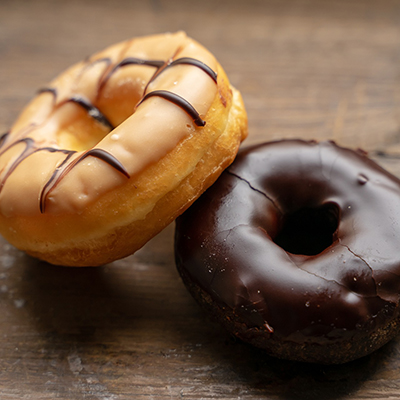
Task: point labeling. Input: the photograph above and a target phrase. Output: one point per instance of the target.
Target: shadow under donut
(135, 315)
(89, 307)
(282, 379)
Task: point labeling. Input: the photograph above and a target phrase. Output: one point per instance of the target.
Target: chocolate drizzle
(138, 61)
(107, 158)
(50, 90)
(50, 184)
(29, 143)
(94, 112)
(130, 61)
(196, 63)
(179, 101)
(59, 173)
(83, 102)
(3, 138)
(30, 148)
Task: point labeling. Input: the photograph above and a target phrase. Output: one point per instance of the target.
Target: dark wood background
(129, 330)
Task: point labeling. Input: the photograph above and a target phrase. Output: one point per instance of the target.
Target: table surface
(129, 330)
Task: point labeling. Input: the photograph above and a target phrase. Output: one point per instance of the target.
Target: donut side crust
(337, 352)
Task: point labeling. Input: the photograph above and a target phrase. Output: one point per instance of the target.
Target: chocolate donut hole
(309, 231)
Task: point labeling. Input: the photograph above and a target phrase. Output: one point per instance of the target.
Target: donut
(115, 148)
(295, 249)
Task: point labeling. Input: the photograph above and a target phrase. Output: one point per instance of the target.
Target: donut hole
(309, 231)
(77, 130)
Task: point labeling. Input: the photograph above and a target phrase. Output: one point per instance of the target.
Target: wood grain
(129, 330)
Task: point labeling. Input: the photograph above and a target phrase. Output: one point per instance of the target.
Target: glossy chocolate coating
(232, 246)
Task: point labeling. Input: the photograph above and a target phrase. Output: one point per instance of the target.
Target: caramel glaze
(68, 163)
(230, 245)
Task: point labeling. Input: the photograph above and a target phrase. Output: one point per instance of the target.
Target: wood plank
(129, 330)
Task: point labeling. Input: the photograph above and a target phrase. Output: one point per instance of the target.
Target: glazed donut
(295, 249)
(115, 148)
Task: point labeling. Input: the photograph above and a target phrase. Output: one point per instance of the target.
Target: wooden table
(129, 330)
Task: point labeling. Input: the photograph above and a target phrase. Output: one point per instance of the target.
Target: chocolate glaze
(227, 244)
(66, 165)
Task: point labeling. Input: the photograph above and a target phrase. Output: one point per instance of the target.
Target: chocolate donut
(295, 249)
